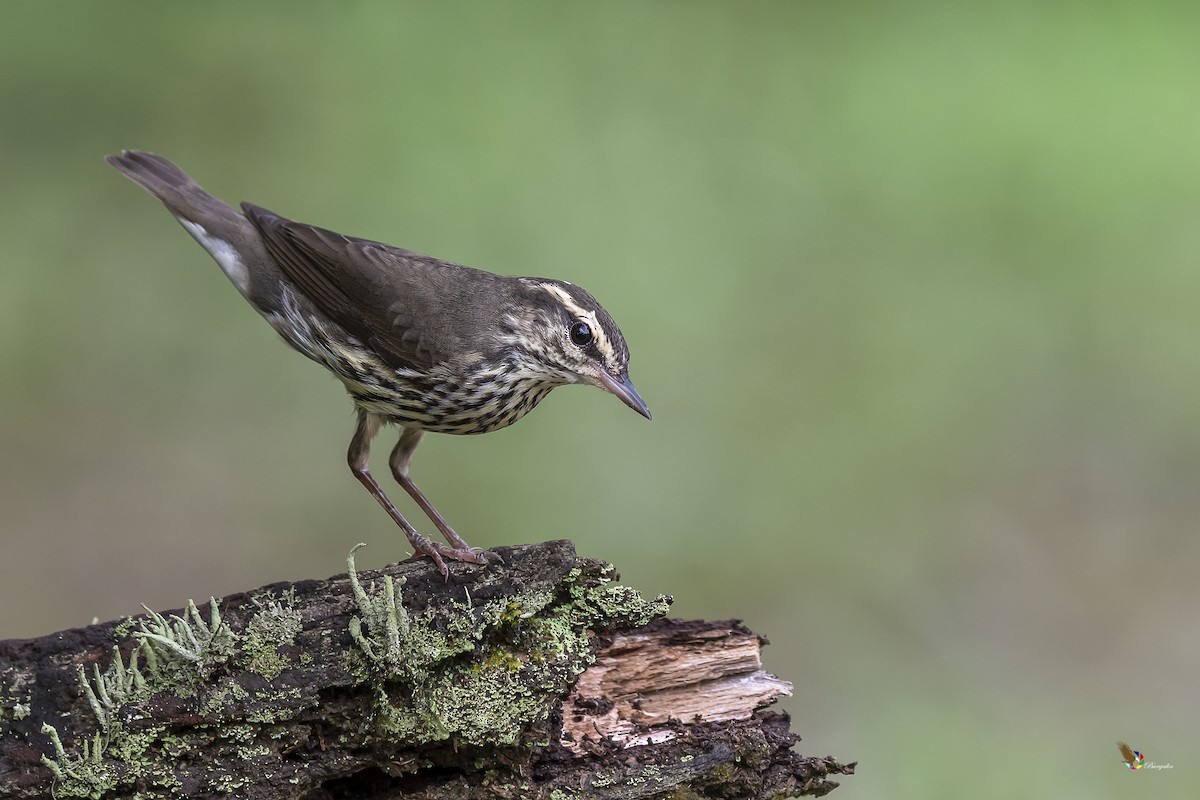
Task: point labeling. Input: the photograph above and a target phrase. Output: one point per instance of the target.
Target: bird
(421, 343)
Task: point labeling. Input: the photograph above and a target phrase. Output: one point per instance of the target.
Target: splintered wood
(644, 683)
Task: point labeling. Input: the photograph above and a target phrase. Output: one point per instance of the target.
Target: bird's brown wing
(1126, 752)
(402, 304)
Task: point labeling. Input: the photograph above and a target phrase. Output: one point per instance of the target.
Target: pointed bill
(625, 391)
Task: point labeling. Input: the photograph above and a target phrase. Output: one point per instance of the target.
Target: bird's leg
(358, 457)
(399, 462)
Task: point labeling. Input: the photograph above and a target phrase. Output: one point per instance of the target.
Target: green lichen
(16, 694)
(88, 773)
(274, 625)
(82, 775)
(125, 627)
(220, 696)
(107, 691)
(480, 674)
(187, 644)
(128, 747)
(279, 708)
(613, 604)
(387, 641)
(600, 780)
(228, 784)
(173, 654)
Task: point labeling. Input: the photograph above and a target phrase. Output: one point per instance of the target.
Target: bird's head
(566, 336)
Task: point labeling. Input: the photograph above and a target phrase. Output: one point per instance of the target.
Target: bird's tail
(220, 229)
(182, 196)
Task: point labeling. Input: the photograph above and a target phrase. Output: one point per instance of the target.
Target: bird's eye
(581, 334)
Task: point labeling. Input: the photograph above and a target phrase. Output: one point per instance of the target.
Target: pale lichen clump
(176, 653)
(16, 694)
(274, 625)
(188, 640)
(82, 775)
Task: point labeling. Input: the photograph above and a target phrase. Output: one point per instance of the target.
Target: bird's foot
(439, 553)
(488, 556)
(471, 555)
(459, 544)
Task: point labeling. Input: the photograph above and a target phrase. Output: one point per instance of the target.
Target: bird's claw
(490, 556)
(440, 553)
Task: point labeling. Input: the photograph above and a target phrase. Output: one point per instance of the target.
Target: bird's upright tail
(182, 196)
(220, 229)
(158, 175)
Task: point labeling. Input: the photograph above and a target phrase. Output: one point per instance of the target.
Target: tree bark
(537, 678)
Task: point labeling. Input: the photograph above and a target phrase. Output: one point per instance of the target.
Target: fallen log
(541, 677)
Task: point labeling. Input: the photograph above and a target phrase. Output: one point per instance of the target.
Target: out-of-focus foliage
(911, 289)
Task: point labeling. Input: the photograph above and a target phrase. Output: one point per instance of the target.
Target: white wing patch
(223, 252)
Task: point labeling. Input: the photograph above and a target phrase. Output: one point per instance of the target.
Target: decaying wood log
(538, 678)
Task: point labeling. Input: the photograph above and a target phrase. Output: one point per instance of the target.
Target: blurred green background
(911, 290)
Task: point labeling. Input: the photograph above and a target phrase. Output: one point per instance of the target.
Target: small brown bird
(419, 342)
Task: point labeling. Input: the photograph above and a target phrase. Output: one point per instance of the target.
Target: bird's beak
(624, 390)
